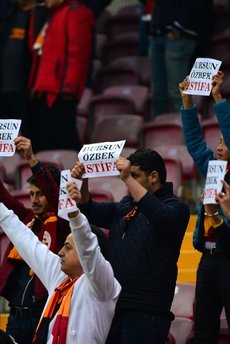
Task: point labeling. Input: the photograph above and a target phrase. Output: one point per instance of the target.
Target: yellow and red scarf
(59, 303)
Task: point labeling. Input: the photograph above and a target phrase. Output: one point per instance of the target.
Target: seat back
(163, 130)
(118, 127)
(211, 132)
(183, 301)
(112, 184)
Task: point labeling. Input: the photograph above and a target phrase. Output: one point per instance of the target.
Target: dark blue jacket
(144, 250)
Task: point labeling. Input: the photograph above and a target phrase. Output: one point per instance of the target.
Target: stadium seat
(183, 301)
(181, 153)
(105, 104)
(23, 196)
(120, 23)
(65, 158)
(101, 195)
(137, 93)
(116, 76)
(100, 41)
(118, 127)
(110, 183)
(139, 64)
(174, 173)
(125, 45)
(10, 164)
(23, 172)
(211, 132)
(170, 339)
(182, 330)
(83, 106)
(165, 129)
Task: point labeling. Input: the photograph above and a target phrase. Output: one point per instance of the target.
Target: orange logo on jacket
(17, 33)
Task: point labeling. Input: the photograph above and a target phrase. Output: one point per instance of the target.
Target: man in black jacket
(146, 229)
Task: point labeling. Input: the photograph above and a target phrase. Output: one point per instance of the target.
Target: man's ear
(153, 177)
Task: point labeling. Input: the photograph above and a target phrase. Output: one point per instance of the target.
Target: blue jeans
(138, 328)
(170, 62)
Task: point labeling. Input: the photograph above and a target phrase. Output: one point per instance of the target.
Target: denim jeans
(170, 62)
(138, 328)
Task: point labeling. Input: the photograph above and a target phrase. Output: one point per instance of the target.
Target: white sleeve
(40, 259)
(97, 269)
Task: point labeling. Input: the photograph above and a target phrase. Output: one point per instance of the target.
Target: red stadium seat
(183, 301)
(118, 127)
(163, 130)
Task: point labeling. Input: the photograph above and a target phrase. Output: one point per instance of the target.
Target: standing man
(18, 283)
(176, 27)
(59, 74)
(80, 282)
(146, 231)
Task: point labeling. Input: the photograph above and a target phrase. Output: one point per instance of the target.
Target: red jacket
(65, 59)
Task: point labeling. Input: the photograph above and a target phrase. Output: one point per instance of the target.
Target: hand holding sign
(66, 204)
(200, 77)
(213, 184)
(99, 158)
(9, 129)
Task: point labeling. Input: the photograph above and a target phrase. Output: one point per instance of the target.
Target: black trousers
(212, 294)
(53, 127)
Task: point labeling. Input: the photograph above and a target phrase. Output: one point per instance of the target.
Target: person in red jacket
(59, 74)
(18, 284)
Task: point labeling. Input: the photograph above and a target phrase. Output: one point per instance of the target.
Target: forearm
(136, 189)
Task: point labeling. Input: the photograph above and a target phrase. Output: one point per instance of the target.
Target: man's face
(70, 263)
(141, 177)
(38, 200)
(222, 151)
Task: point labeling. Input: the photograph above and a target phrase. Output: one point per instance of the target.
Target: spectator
(80, 282)
(20, 22)
(59, 74)
(211, 235)
(175, 28)
(146, 230)
(18, 284)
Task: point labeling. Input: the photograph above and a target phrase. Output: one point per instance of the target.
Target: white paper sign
(9, 129)
(213, 184)
(200, 77)
(66, 204)
(99, 158)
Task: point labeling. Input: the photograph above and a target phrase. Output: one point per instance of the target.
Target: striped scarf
(59, 304)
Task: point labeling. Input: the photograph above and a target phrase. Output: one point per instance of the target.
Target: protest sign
(65, 203)
(9, 129)
(99, 158)
(213, 184)
(200, 77)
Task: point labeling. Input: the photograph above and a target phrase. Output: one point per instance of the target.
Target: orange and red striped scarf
(59, 303)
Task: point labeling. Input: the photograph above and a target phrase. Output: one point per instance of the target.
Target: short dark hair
(53, 170)
(149, 160)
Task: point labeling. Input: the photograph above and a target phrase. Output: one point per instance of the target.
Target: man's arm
(96, 267)
(41, 260)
